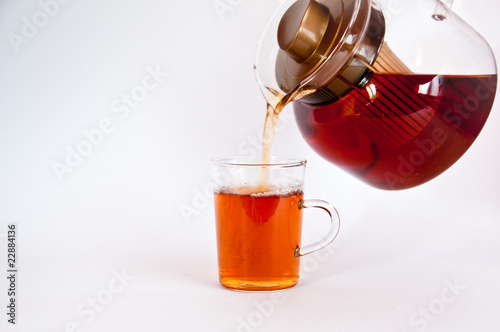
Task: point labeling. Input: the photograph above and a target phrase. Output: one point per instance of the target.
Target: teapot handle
(440, 11)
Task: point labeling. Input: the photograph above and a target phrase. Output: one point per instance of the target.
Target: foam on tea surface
(266, 191)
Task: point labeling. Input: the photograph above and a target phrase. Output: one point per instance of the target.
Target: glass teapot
(394, 92)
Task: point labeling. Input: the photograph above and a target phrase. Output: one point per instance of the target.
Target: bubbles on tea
(295, 188)
(283, 192)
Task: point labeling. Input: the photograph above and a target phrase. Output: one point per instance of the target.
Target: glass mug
(258, 212)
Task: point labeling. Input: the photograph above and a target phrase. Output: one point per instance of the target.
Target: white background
(137, 206)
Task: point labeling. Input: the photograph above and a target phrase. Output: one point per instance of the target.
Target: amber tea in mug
(258, 210)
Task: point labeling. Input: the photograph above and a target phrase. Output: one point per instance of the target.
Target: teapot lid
(329, 46)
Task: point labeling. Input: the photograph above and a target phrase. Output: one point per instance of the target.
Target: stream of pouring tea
(276, 102)
(274, 108)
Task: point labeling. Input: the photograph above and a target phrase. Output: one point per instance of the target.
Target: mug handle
(332, 233)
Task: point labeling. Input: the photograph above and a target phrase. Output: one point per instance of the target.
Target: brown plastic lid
(329, 46)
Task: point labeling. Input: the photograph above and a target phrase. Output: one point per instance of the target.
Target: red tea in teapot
(395, 102)
(400, 131)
